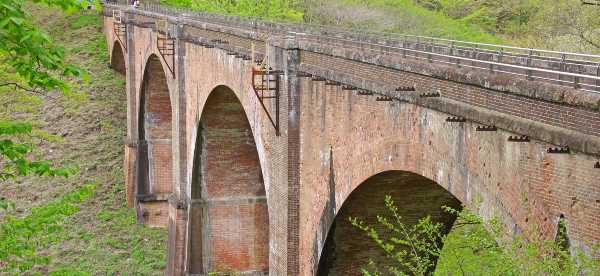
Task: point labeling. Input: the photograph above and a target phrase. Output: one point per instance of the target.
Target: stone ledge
(152, 197)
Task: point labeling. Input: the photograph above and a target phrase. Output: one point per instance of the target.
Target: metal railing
(581, 71)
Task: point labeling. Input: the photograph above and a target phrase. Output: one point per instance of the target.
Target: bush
(473, 247)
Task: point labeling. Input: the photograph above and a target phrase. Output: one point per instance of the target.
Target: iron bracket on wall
(384, 99)
(265, 83)
(486, 128)
(119, 28)
(562, 150)
(456, 119)
(165, 45)
(405, 88)
(519, 139)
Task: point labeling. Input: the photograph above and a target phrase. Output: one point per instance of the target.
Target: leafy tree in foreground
(469, 249)
(41, 66)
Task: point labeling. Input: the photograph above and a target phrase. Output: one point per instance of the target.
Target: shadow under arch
(154, 166)
(347, 249)
(228, 216)
(117, 59)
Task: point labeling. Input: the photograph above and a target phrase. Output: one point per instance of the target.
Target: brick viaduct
(257, 180)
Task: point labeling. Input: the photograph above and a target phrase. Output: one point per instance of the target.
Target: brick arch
(228, 223)
(347, 249)
(154, 169)
(117, 58)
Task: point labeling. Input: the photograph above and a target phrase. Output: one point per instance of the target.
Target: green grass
(84, 128)
(414, 19)
(278, 10)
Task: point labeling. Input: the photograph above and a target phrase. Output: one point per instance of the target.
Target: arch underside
(155, 133)
(117, 58)
(347, 249)
(228, 215)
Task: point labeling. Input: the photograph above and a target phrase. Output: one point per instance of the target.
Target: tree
(41, 67)
(473, 247)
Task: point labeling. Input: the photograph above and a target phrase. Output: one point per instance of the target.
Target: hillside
(564, 25)
(85, 129)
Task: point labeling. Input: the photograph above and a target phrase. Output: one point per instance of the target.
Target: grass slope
(85, 129)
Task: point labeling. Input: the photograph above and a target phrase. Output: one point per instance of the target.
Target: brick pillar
(293, 88)
(178, 218)
(130, 157)
(129, 165)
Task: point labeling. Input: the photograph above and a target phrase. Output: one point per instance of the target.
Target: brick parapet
(551, 132)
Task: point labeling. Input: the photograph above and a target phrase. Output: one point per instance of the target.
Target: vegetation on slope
(397, 16)
(85, 128)
(280, 10)
(566, 25)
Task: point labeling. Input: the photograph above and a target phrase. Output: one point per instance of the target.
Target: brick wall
(117, 59)
(207, 69)
(157, 127)
(521, 183)
(578, 119)
(235, 234)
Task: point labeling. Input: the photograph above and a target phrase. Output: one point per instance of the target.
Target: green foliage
(29, 51)
(473, 247)
(20, 238)
(15, 155)
(395, 16)
(39, 63)
(267, 9)
(567, 25)
(413, 248)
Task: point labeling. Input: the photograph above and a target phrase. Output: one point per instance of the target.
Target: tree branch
(30, 90)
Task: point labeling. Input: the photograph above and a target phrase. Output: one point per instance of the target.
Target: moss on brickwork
(85, 129)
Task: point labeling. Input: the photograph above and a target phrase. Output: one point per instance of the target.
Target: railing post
(474, 55)
(529, 72)
(452, 51)
(562, 66)
(598, 75)
(430, 51)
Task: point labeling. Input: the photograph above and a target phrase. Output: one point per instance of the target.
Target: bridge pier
(202, 158)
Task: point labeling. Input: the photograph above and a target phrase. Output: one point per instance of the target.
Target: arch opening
(117, 59)
(155, 132)
(347, 249)
(229, 229)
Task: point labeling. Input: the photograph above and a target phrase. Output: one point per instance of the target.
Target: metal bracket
(165, 44)
(519, 139)
(405, 88)
(364, 93)
(597, 165)
(384, 99)
(119, 28)
(456, 119)
(265, 83)
(486, 128)
(430, 95)
(562, 150)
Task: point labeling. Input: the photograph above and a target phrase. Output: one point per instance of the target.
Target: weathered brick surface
(482, 169)
(242, 198)
(242, 161)
(585, 121)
